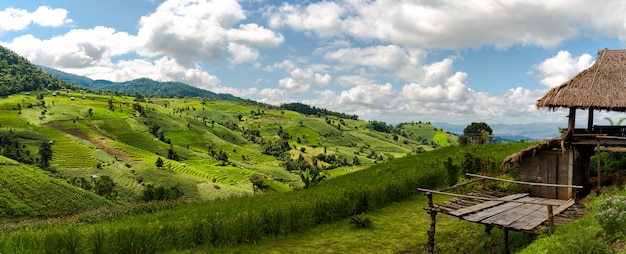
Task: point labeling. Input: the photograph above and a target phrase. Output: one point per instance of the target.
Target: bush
(360, 221)
(612, 214)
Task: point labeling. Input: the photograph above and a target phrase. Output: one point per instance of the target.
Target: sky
(387, 60)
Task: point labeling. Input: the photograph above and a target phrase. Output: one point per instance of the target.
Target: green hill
(143, 86)
(31, 192)
(206, 148)
(18, 75)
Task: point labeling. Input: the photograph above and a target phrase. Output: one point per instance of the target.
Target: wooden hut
(565, 160)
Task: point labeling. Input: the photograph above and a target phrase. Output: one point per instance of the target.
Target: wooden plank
(491, 211)
(486, 205)
(542, 215)
(506, 218)
(526, 183)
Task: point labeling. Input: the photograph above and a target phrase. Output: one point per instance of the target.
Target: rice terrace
(103, 170)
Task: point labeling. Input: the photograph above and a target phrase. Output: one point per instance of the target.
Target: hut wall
(546, 167)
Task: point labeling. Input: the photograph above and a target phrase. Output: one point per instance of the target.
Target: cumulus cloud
(455, 24)
(372, 96)
(75, 49)
(162, 69)
(302, 80)
(323, 18)
(202, 29)
(12, 19)
(274, 96)
(561, 67)
(388, 57)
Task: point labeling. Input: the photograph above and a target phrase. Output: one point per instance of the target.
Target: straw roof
(602, 86)
(514, 160)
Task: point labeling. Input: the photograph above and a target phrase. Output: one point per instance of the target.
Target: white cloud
(455, 24)
(373, 96)
(388, 57)
(324, 18)
(201, 29)
(256, 35)
(12, 19)
(242, 53)
(561, 67)
(162, 69)
(302, 80)
(274, 96)
(75, 49)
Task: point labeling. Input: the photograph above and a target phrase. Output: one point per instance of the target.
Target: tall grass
(248, 219)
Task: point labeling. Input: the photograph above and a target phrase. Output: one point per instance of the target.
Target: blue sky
(389, 60)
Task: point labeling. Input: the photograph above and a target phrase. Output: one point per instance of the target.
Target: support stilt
(505, 241)
(433, 221)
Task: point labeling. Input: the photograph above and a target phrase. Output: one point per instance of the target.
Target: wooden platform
(518, 212)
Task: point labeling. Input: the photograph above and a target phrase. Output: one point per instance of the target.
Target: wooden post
(572, 120)
(505, 241)
(484, 184)
(590, 121)
(598, 166)
(431, 232)
(550, 220)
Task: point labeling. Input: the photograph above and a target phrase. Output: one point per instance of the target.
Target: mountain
(17, 75)
(143, 86)
(513, 132)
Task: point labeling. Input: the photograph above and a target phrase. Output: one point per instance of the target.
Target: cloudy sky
(389, 60)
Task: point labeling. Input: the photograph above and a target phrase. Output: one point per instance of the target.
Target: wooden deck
(518, 212)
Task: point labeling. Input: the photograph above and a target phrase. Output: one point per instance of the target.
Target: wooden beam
(598, 165)
(459, 185)
(482, 198)
(571, 120)
(613, 149)
(527, 183)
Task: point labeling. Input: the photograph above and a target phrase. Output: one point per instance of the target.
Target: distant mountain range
(143, 86)
(513, 132)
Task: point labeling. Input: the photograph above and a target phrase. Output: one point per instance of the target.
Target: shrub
(612, 214)
(360, 221)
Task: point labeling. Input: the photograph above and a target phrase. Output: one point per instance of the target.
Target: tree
(476, 133)
(477, 129)
(257, 181)
(110, 102)
(159, 162)
(104, 186)
(45, 154)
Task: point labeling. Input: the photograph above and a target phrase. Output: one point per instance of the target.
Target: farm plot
(29, 192)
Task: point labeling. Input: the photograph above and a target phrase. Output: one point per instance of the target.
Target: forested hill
(143, 86)
(19, 75)
(308, 110)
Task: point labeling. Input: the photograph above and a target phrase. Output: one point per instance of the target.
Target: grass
(31, 192)
(232, 222)
(398, 228)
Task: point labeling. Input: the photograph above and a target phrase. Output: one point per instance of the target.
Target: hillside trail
(98, 142)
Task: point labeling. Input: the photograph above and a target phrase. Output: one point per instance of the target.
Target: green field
(109, 135)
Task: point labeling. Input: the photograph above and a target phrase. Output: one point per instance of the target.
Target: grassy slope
(28, 191)
(251, 219)
(118, 143)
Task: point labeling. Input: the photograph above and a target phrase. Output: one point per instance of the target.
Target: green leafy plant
(612, 214)
(360, 221)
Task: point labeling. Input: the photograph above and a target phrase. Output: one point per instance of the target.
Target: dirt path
(98, 142)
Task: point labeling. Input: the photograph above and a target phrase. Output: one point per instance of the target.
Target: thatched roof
(602, 86)
(514, 160)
